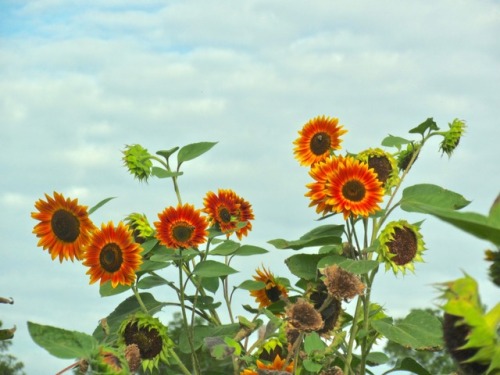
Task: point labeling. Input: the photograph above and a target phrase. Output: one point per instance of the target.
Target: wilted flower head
(302, 316)
(151, 337)
(110, 361)
(384, 165)
(138, 161)
(342, 284)
(401, 245)
(452, 137)
(405, 156)
(329, 313)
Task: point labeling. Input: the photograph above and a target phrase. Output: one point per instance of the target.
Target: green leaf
(252, 285)
(106, 290)
(193, 150)
(311, 366)
(125, 309)
(313, 343)
(358, 267)
(7, 334)
(163, 173)
(440, 203)
(393, 141)
(62, 343)
(167, 153)
(377, 358)
(247, 250)
(322, 235)
(211, 268)
(100, 204)
(419, 330)
(210, 283)
(226, 248)
(409, 364)
(428, 124)
(151, 282)
(148, 246)
(304, 265)
(149, 265)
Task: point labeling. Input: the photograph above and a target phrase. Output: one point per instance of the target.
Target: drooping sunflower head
(401, 245)
(318, 138)
(137, 159)
(181, 227)
(405, 156)
(342, 284)
(452, 137)
(151, 337)
(303, 317)
(330, 313)
(140, 226)
(64, 228)
(384, 165)
(353, 189)
(110, 361)
(113, 255)
(494, 270)
(229, 212)
(273, 290)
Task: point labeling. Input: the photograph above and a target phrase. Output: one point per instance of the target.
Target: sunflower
(277, 365)
(317, 139)
(110, 361)
(345, 185)
(384, 165)
(228, 211)
(273, 290)
(113, 255)
(150, 335)
(181, 227)
(401, 244)
(65, 227)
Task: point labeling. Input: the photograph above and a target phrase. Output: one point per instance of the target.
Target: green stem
(183, 368)
(139, 299)
(352, 337)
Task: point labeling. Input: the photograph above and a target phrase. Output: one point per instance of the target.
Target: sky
(79, 80)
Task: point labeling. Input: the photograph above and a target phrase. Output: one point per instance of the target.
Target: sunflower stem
(139, 299)
(183, 368)
(352, 337)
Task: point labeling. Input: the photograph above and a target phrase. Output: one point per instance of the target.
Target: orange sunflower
(271, 292)
(181, 227)
(230, 212)
(277, 365)
(65, 227)
(113, 255)
(317, 139)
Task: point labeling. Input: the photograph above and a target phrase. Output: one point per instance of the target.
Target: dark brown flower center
(404, 246)
(148, 340)
(273, 292)
(354, 190)
(182, 232)
(65, 225)
(110, 257)
(320, 143)
(382, 167)
(224, 215)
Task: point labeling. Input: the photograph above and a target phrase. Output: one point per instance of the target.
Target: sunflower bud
(138, 161)
(140, 225)
(452, 137)
(405, 156)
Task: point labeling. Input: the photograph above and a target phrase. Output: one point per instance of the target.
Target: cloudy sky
(80, 79)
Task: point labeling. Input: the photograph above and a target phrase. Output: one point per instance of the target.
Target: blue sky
(81, 79)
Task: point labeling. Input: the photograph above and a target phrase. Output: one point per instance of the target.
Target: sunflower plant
(321, 318)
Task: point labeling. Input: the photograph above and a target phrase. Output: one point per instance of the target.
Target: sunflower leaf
(358, 267)
(393, 141)
(211, 268)
(227, 247)
(319, 236)
(62, 343)
(193, 150)
(304, 266)
(163, 173)
(247, 250)
(252, 285)
(106, 289)
(151, 281)
(409, 364)
(100, 204)
(423, 127)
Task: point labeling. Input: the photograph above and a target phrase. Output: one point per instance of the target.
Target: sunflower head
(303, 317)
(228, 212)
(330, 313)
(278, 364)
(353, 189)
(452, 137)
(138, 161)
(318, 138)
(113, 255)
(64, 228)
(494, 271)
(384, 165)
(140, 226)
(150, 336)
(401, 244)
(405, 156)
(181, 227)
(110, 361)
(272, 292)
(322, 172)
(342, 284)
(270, 349)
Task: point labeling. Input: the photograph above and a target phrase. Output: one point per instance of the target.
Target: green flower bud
(452, 137)
(138, 161)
